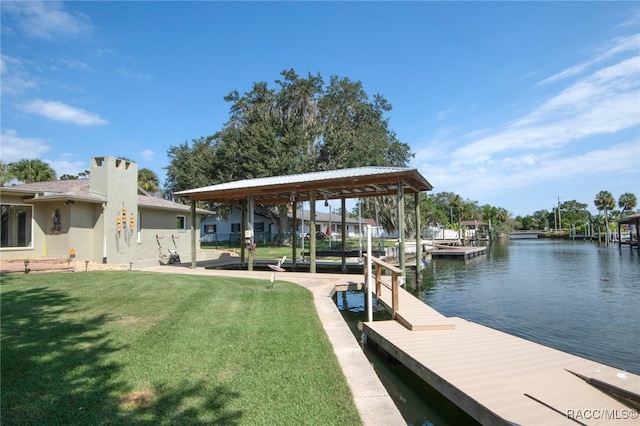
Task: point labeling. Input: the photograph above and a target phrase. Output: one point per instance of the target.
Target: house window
(16, 226)
(182, 223)
(235, 227)
(259, 227)
(210, 229)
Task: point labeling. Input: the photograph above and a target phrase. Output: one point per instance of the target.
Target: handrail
(395, 274)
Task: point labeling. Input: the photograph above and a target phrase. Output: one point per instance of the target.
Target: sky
(514, 104)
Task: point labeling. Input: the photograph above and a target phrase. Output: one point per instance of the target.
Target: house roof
(332, 184)
(78, 190)
(160, 203)
(74, 190)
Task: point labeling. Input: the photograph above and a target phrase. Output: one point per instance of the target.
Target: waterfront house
(106, 218)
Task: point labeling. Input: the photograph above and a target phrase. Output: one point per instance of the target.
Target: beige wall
(117, 180)
(162, 223)
(91, 229)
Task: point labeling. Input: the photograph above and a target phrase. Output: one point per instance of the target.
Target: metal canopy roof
(333, 184)
(630, 219)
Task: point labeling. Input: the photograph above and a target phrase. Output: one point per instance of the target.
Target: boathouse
(633, 222)
(360, 182)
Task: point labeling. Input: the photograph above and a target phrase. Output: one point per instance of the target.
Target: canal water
(575, 296)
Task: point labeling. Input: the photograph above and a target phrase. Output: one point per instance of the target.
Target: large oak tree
(299, 126)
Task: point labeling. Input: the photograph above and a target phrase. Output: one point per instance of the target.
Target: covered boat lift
(632, 220)
(359, 182)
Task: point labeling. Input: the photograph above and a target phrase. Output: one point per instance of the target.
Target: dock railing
(396, 273)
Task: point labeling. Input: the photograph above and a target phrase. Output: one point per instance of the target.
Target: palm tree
(148, 180)
(5, 175)
(627, 202)
(604, 202)
(29, 171)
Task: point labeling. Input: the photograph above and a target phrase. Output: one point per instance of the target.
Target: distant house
(226, 229)
(475, 229)
(216, 228)
(328, 224)
(105, 218)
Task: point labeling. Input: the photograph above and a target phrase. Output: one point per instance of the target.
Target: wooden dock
(458, 252)
(498, 378)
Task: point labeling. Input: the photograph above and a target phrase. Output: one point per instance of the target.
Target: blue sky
(514, 104)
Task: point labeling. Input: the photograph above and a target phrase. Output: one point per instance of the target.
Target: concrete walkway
(371, 398)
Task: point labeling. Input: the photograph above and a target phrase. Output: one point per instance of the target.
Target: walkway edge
(375, 406)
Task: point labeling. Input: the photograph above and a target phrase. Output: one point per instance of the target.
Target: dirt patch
(129, 320)
(80, 266)
(137, 399)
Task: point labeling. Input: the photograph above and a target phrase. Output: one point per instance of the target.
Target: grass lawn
(272, 251)
(122, 348)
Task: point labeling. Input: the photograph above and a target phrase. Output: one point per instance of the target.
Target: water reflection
(575, 296)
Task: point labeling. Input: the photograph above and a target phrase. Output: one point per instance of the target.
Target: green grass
(273, 251)
(122, 348)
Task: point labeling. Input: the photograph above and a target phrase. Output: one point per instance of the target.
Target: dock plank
(496, 377)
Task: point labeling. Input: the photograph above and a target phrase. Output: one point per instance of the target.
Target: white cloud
(573, 139)
(544, 170)
(59, 111)
(64, 167)
(104, 52)
(132, 75)
(15, 78)
(14, 147)
(441, 115)
(604, 102)
(617, 45)
(147, 154)
(72, 63)
(48, 19)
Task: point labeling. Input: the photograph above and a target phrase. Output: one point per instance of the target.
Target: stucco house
(106, 218)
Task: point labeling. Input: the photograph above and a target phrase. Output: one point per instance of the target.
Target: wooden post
(294, 234)
(365, 271)
(637, 235)
(401, 251)
(312, 232)
(343, 233)
(193, 234)
(243, 222)
(251, 240)
(418, 240)
(394, 294)
(368, 269)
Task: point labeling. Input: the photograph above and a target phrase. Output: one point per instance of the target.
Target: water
(578, 297)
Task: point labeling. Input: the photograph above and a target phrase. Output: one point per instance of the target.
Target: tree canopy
(148, 180)
(627, 202)
(29, 171)
(300, 126)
